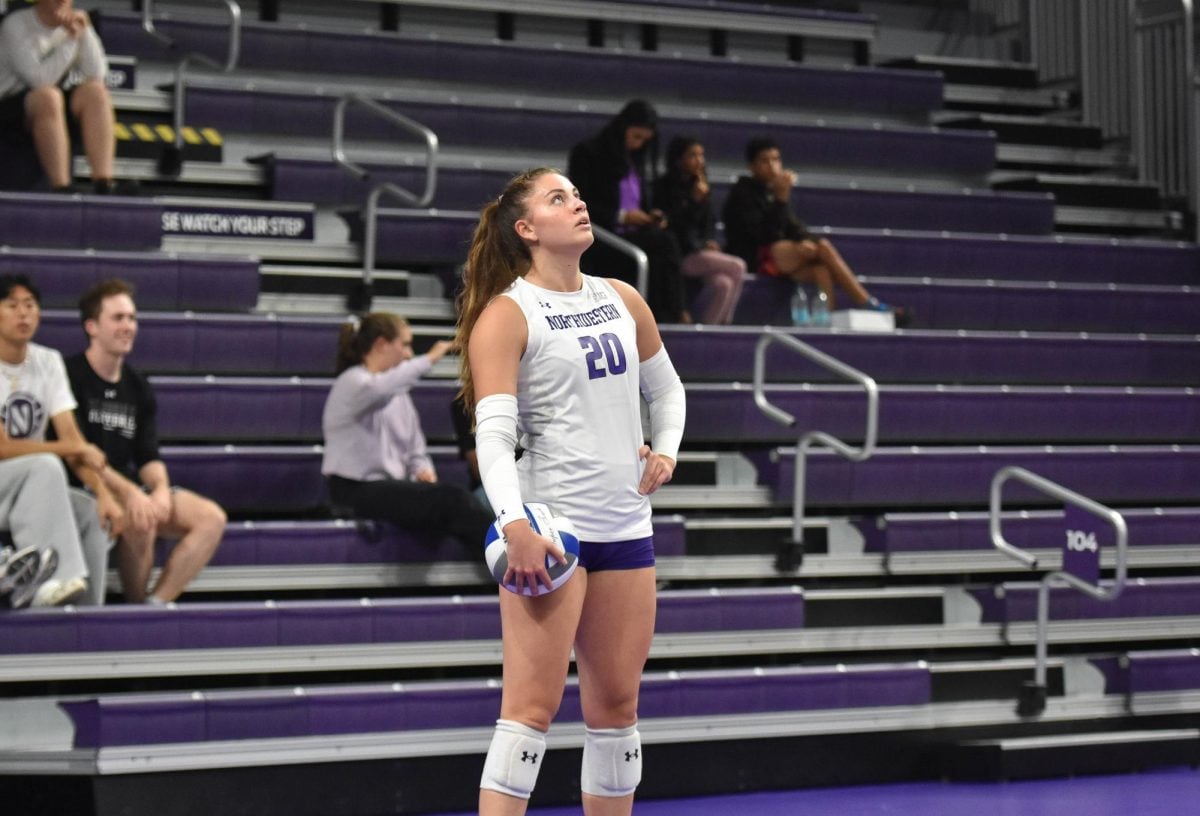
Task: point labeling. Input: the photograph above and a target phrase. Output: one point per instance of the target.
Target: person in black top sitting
(614, 173)
(762, 229)
(117, 412)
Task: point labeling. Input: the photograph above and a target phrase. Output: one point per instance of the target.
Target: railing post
(640, 259)
(1032, 701)
(170, 163)
(360, 301)
(792, 552)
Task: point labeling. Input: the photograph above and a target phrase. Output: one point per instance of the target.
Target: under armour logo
(544, 304)
(528, 757)
(630, 756)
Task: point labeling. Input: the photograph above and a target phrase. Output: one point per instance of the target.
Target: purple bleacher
(1166, 670)
(967, 211)
(295, 179)
(281, 543)
(1043, 307)
(378, 621)
(1038, 530)
(270, 543)
(212, 344)
(889, 91)
(1142, 597)
(270, 478)
(175, 717)
(719, 354)
(930, 477)
(965, 155)
(79, 221)
(258, 344)
(442, 237)
(289, 410)
(321, 181)
(1027, 258)
(415, 237)
(163, 281)
(948, 414)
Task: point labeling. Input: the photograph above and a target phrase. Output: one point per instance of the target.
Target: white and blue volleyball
(545, 521)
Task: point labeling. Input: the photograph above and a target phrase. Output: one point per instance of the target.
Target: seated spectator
(762, 229)
(375, 456)
(686, 199)
(39, 48)
(117, 412)
(35, 394)
(464, 437)
(35, 512)
(614, 171)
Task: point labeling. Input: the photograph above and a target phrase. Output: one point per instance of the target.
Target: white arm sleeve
(668, 404)
(495, 445)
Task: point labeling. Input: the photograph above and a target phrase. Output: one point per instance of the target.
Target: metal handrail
(788, 557)
(371, 211)
(1033, 700)
(181, 68)
(626, 248)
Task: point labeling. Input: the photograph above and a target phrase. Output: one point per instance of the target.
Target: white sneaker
(23, 571)
(56, 593)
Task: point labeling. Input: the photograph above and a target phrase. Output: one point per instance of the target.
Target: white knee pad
(612, 761)
(514, 759)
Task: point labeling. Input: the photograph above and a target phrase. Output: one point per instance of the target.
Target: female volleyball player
(556, 358)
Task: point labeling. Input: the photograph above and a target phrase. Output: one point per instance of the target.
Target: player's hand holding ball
(535, 556)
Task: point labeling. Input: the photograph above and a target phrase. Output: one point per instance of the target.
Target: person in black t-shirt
(762, 229)
(116, 410)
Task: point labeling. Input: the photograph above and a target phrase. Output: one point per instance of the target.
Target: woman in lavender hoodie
(375, 459)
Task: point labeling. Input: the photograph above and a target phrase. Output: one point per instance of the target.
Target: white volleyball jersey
(579, 410)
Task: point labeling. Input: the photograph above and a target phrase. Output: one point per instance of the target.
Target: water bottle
(820, 310)
(800, 315)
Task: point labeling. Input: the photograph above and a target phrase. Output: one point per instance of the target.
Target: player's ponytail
(497, 257)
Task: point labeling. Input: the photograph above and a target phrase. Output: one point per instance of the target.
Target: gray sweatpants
(40, 510)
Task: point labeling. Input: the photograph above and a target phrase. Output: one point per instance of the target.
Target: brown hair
(498, 256)
(356, 336)
(92, 300)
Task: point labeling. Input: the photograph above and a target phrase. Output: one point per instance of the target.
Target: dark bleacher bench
(216, 344)
(164, 280)
(280, 713)
(903, 94)
(264, 344)
(716, 16)
(467, 189)
(991, 305)
(79, 221)
(246, 624)
(226, 409)
(272, 479)
(725, 354)
(1142, 597)
(961, 477)
(1036, 530)
(248, 479)
(909, 152)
